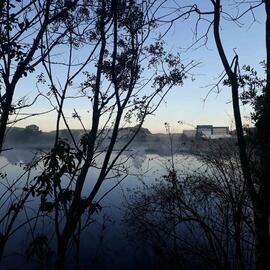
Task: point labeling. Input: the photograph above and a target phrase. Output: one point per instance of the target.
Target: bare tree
(259, 195)
(197, 219)
(257, 183)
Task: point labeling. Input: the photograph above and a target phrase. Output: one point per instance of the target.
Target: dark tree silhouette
(23, 27)
(257, 183)
(126, 75)
(196, 218)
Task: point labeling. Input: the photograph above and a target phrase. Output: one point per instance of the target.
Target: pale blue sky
(185, 103)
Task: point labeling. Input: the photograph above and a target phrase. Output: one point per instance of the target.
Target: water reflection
(20, 155)
(103, 243)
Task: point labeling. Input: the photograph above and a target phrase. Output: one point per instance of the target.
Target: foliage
(122, 75)
(253, 90)
(199, 219)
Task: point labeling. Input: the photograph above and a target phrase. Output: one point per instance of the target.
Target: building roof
(204, 126)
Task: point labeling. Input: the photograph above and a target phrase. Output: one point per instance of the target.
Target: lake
(104, 243)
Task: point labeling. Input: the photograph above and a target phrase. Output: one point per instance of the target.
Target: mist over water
(104, 243)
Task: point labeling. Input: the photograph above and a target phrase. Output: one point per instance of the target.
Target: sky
(185, 103)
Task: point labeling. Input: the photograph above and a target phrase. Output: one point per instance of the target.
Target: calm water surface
(104, 244)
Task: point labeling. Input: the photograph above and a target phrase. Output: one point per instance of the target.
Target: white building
(211, 132)
(204, 131)
(220, 131)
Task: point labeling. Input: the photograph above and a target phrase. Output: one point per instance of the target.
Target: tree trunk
(261, 218)
(262, 235)
(64, 239)
(5, 114)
